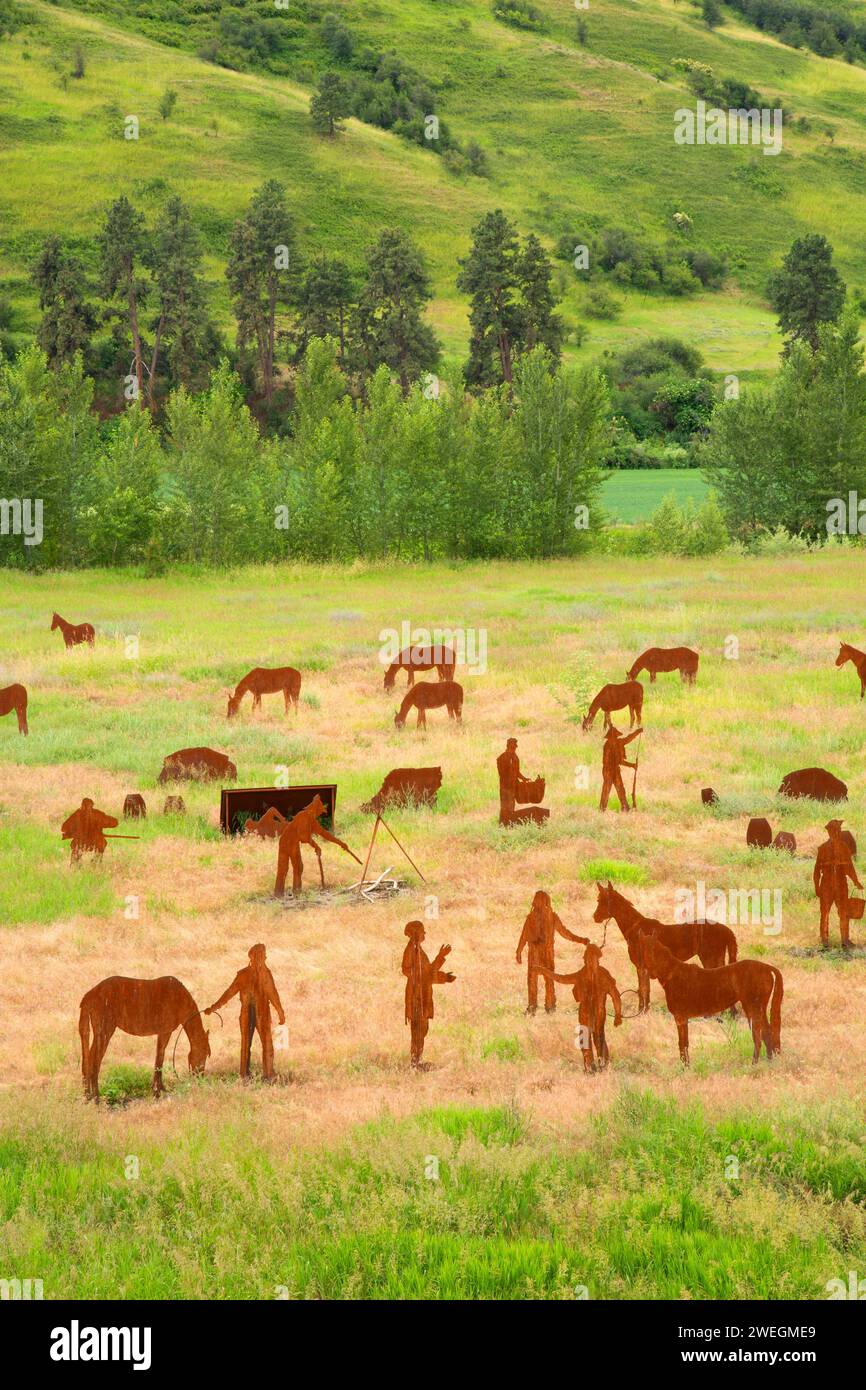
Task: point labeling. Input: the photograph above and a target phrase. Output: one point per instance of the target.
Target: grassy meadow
(578, 138)
(501, 1171)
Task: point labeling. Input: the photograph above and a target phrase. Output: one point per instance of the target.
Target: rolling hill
(578, 138)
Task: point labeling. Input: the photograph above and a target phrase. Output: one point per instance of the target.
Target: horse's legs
(102, 1035)
(652, 677)
(286, 697)
(161, 1044)
(643, 991)
(422, 718)
(757, 1024)
(683, 1035)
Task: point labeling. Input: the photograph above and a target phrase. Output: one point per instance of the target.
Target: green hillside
(578, 138)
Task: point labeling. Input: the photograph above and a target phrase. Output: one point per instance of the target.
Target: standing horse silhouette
(613, 697)
(74, 633)
(262, 681)
(858, 658)
(692, 992)
(656, 659)
(431, 695)
(422, 658)
(142, 1008)
(14, 697)
(711, 942)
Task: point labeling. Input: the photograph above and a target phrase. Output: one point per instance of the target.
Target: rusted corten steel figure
(262, 681)
(858, 660)
(813, 782)
(538, 938)
(759, 833)
(14, 697)
(197, 765)
(258, 992)
(422, 658)
(303, 829)
(656, 659)
(430, 695)
(612, 759)
(134, 806)
(421, 975)
(628, 695)
(514, 788)
(174, 806)
(834, 865)
(74, 634)
(269, 826)
(142, 1008)
(84, 828)
(592, 986)
(406, 786)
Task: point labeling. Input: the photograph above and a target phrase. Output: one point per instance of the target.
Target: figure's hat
(833, 825)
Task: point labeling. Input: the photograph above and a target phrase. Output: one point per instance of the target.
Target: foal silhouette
(613, 697)
(74, 633)
(857, 658)
(261, 681)
(142, 1008)
(431, 695)
(14, 697)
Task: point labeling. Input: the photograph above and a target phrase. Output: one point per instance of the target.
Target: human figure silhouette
(538, 936)
(84, 828)
(592, 986)
(612, 759)
(421, 975)
(255, 984)
(834, 865)
(514, 789)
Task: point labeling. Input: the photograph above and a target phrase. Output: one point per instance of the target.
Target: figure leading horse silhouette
(857, 658)
(656, 659)
(692, 992)
(422, 658)
(74, 633)
(431, 695)
(142, 1008)
(711, 942)
(613, 697)
(14, 697)
(262, 681)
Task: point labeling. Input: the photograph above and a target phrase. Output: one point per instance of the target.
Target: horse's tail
(776, 1009)
(589, 717)
(731, 944)
(84, 1034)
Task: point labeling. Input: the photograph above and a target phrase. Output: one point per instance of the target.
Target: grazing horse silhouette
(692, 992)
(422, 658)
(142, 1008)
(711, 942)
(14, 697)
(656, 659)
(858, 658)
(613, 697)
(262, 681)
(74, 633)
(197, 764)
(431, 695)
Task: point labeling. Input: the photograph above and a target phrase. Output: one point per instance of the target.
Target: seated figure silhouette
(258, 992)
(514, 788)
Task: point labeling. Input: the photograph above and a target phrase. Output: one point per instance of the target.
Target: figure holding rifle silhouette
(612, 760)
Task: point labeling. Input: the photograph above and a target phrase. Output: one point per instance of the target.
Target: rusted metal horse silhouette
(656, 659)
(858, 658)
(142, 1008)
(14, 697)
(692, 992)
(261, 681)
(612, 697)
(422, 658)
(74, 633)
(431, 695)
(712, 942)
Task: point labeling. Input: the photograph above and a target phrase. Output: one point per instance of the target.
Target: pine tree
(490, 276)
(122, 244)
(263, 273)
(807, 291)
(67, 319)
(330, 104)
(325, 301)
(391, 329)
(535, 277)
(181, 323)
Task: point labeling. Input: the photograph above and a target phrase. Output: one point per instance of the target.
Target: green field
(502, 1171)
(633, 494)
(577, 137)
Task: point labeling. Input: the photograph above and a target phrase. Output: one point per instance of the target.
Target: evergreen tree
(263, 273)
(490, 275)
(122, 244)
(330, 104)
(391, 329)
(181, 324)
(67, 319)
(325, 302)
(807, 291)
(541, 326)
